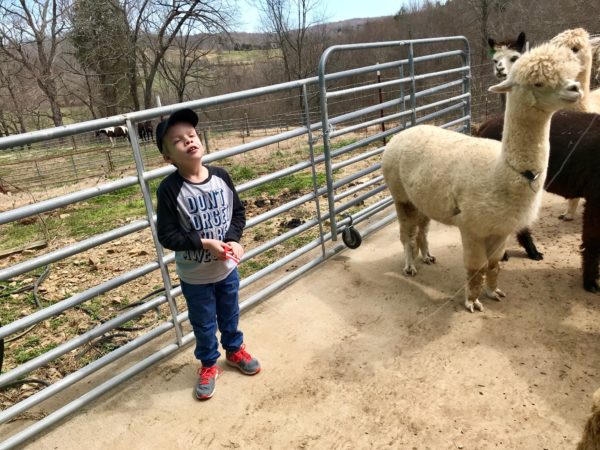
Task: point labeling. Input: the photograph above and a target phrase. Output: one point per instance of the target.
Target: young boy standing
(201, 218)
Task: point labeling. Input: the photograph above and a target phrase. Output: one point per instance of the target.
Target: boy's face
(182, 145)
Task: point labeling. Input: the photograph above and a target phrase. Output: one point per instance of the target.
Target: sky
(335, 10)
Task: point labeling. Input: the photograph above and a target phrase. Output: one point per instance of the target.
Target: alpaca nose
(574, 87)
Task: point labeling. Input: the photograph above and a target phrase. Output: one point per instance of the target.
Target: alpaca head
(505, 54)
(544, 78)
(578, 41)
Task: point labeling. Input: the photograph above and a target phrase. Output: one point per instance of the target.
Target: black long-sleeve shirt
(188, 212)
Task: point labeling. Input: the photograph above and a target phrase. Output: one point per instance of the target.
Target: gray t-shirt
(188, 212)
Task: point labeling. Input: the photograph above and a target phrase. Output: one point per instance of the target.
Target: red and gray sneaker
(205, 388)
(243, 361)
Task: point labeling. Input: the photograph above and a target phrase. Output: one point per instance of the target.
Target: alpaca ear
(502, 88)
(491, 43)
(521, 42)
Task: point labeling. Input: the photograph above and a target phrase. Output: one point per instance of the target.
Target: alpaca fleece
(485, 188)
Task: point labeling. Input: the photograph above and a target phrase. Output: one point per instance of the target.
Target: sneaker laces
(208, 373)
(241, 355)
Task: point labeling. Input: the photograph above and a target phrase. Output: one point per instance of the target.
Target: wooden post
(109, 160)
(74, 167)
(206, 148)
(247, 125)
(37, 168)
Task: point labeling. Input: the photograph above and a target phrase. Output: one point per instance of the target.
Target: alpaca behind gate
(484, 188)
(504, 54)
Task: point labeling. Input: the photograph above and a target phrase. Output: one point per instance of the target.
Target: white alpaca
(578, 41)
(505, 54)
(484, 187)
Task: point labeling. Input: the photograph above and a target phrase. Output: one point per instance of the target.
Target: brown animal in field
(113, 133)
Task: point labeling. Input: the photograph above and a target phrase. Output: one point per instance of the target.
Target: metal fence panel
(345, 188)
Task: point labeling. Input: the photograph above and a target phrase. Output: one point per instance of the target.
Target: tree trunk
(48, 86)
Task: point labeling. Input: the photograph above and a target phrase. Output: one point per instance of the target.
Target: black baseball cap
(185, 115)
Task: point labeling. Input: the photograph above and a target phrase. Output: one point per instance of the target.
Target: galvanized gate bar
(139, 165)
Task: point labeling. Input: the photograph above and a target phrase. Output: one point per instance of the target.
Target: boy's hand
(215, 247)
(236, 249)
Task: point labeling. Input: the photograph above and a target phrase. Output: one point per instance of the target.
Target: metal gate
(418, 87)
(431, 85)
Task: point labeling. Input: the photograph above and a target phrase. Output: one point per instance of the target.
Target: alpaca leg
(591, 245)
(475, 262)
(494, 249)
(569, 214)
(526, 240)
(422, 243)
(408, 218)
(474, 282)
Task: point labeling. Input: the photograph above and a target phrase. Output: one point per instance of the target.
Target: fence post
(37, 169)
(403, 104)
(313, 166)
(467, 87)
(413, 100)
(326, 147)
(139, 165)
(380, 102)
(247, 125)
(74, 166)
(109, 160)
(206, 148)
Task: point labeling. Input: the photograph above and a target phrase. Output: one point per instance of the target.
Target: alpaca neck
(525, 142)
(584, 76)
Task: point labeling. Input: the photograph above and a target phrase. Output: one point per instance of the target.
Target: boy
(200, 216)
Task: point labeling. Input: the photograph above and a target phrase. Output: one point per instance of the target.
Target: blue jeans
(209, 306)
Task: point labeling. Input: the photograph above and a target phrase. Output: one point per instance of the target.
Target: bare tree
(30, 33)
(190, 65)
(9, 82)
(156, 24)
(81, 83)
(297, 28)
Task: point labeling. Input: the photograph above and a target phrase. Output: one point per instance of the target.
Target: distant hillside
(249, 41)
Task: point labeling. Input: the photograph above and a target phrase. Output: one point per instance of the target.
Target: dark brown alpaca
(591, 433)
(573, 171)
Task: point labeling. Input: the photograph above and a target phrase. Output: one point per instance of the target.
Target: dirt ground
(355, 355)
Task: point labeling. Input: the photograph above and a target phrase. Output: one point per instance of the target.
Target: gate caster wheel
(351, 236)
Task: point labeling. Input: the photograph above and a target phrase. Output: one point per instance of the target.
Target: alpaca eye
(538, 85)
(575, 49)
(514, 58)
